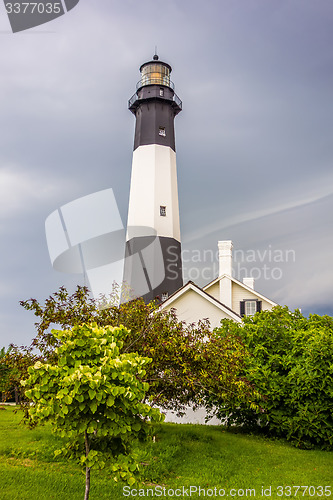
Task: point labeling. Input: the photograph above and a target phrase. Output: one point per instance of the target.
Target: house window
(164, 296)
(162, 211)
(161, 131)
(249, 307)
(161, 92)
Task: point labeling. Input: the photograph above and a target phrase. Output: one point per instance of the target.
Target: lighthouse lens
(155, 74)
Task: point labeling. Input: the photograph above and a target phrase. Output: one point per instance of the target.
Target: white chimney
(225, 257)
(249, 282)
(225, 267)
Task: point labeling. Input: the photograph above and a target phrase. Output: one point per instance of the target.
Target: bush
(292, 368)
(189, 363)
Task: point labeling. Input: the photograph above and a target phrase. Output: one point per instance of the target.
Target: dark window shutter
(259, 304)
(242, 308)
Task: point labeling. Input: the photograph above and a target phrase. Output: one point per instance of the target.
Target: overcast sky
(254, 140)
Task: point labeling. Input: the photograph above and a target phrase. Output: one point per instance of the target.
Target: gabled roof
(192, 286)
(249, 289)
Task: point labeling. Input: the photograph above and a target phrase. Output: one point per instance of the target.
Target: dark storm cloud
(254, 146)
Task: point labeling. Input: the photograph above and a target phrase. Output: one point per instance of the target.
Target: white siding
(239, 293)
(191, 417)
(192, 307)
(214, 290)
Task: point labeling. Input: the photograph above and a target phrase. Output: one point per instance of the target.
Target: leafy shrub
(292, 368)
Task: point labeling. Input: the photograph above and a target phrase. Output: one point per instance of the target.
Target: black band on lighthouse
(164, 255)
(155, 108)
(154, 125)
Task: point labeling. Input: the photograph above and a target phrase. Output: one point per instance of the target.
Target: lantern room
(155, 73)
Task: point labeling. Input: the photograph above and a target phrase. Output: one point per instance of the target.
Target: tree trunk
(86, 494)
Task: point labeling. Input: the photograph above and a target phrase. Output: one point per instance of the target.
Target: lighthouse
(153, 266)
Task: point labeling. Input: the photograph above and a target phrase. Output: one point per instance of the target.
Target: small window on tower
(162, 211)
(161, 92)
(162, 131)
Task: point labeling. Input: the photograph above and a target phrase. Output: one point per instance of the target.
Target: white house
(192, 304)
(224, 297)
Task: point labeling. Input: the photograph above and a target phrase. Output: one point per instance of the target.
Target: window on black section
(161, 131)
(162, 211)
(161, 92)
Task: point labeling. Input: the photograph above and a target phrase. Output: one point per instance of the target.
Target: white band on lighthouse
(154, 185)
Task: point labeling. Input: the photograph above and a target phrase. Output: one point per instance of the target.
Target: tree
(291, 364)
(190, 363)
(4, 374)
(14, 363)
(93, 396)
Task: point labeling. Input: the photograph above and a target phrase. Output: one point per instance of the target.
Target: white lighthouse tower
(153, 267)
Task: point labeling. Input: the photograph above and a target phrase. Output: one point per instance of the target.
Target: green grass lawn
(182, 456)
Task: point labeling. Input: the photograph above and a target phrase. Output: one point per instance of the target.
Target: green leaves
(96, 400)
(174, 362)
(93, 407)
(110, 401)
(292, 367)
(92, 394)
